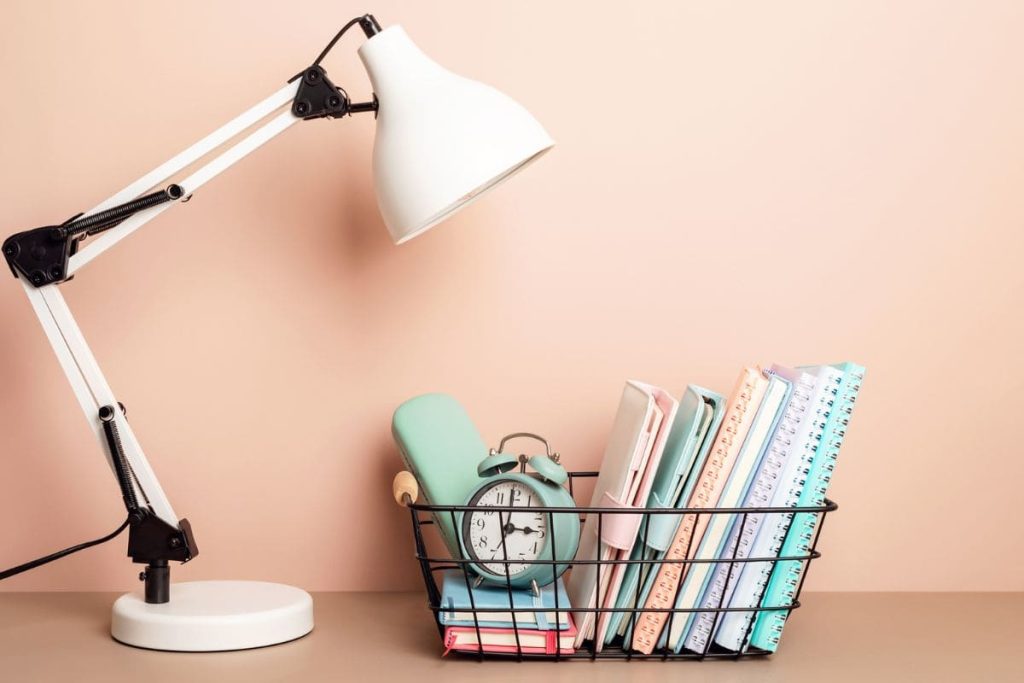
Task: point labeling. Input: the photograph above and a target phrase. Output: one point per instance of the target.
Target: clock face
(489, 534)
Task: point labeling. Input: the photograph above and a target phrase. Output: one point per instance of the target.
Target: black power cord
(367, 22)
(8, 573)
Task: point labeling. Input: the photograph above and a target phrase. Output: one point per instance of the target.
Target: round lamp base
(213, 616)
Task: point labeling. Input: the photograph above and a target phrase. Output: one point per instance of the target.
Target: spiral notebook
(743, 528)
(743, 403)
(755, 447)
(752, 577)
(786, 577)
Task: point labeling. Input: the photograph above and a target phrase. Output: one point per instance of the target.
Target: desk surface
(378, 636)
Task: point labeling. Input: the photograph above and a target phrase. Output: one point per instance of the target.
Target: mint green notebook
(786, 577)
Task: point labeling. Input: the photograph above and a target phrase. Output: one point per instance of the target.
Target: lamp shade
(442, 140)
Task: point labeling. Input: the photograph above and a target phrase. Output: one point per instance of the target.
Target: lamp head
(442, 140)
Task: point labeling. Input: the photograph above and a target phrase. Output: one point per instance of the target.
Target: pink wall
(800, 182)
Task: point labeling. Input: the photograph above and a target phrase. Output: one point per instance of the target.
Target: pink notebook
(503, 640)
(631, 458)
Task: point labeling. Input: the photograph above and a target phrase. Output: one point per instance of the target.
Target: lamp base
(213, 616)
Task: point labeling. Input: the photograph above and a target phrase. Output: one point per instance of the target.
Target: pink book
(503, 640)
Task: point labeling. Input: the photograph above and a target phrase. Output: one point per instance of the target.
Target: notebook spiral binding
(744, 531)
(785, 583)
(422, 518)
(736, 627)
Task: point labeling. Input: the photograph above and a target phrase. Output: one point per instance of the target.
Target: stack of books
(773, 443)
(479, 617)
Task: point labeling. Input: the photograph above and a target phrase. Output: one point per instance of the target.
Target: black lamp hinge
(41, 255)
(152, 539)
(318, 97)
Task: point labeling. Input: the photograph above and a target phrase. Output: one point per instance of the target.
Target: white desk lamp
(442, 141)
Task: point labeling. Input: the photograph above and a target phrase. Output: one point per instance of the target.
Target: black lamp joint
(41, 255)
(318, 97)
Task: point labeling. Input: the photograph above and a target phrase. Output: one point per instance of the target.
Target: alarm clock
(503, 546)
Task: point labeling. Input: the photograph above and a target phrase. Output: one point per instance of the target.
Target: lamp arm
(200, 177)
(69, 345)
(44, 257)
(50, 254)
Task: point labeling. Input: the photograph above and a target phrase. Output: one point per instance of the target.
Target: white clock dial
(491, 534)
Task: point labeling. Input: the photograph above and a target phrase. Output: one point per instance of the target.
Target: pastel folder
(631, 457)
(750, 578)
(743, 403)
(689, 442)
(441, 446)
(710, 545)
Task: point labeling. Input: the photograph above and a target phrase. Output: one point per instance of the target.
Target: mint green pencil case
(442, 448)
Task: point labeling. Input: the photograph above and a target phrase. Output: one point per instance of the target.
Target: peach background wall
(734, 182)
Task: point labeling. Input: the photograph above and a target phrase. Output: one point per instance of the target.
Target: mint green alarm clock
(505, 545)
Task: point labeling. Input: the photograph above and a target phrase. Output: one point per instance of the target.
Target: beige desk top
(384, 636)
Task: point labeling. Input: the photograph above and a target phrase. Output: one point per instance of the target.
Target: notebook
(743, 403)
(743, 528)
(631, 457)
(785, 581)
(689, 442)
(733, 628)
(457, 608)
(504, 640)
(709, 547)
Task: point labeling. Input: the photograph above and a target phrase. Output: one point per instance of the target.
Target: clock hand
(510, 527)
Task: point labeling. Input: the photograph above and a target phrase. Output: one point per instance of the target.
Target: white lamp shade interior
(442, 140)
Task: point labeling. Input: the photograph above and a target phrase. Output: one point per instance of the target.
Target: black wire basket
(422, 517)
